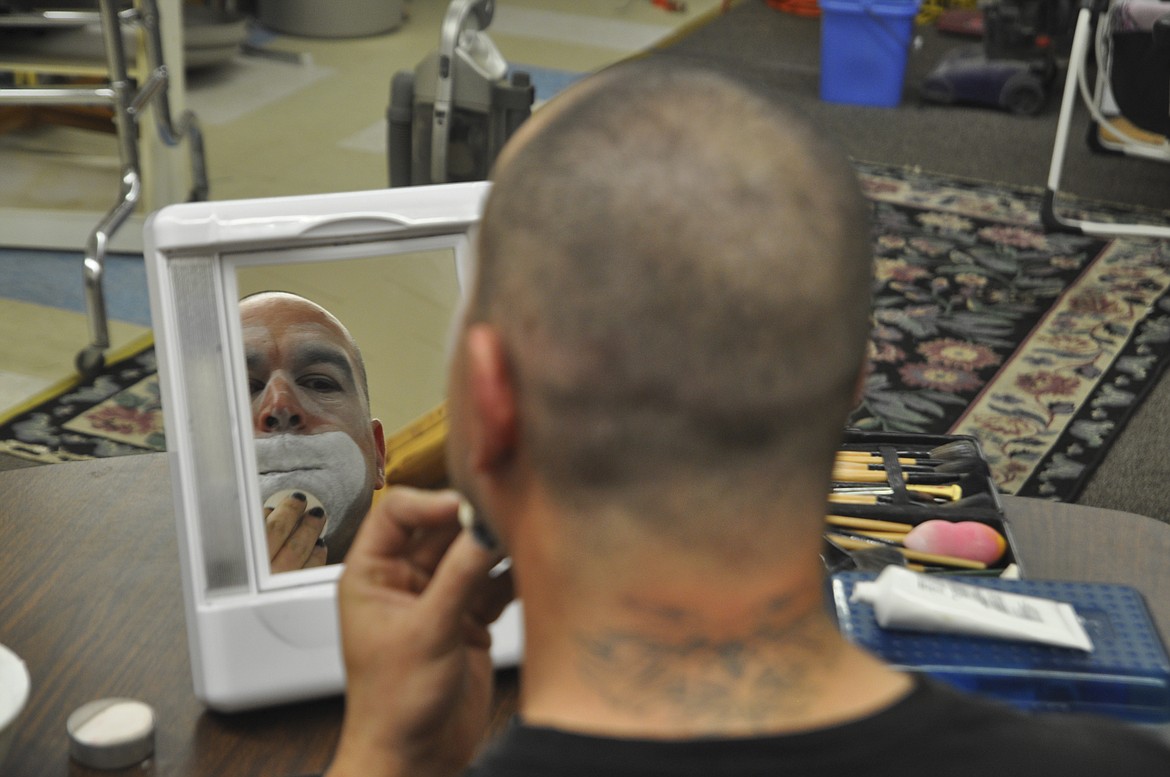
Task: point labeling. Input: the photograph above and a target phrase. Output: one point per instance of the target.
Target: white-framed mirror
(391, 265)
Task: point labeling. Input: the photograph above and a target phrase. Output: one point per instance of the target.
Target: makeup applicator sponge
(963, 539)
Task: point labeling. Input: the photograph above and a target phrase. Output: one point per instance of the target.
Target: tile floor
(274, 128)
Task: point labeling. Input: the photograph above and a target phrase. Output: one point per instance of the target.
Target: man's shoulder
(1036, 743)
(934, 728)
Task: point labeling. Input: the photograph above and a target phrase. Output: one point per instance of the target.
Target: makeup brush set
(922, 501)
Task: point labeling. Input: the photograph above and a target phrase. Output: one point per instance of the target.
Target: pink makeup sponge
(964, 539)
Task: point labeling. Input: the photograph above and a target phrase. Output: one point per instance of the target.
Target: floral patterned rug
(1038, 344)
(117, 412)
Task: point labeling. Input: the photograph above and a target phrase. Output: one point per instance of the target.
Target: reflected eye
(320, 383)
(255, 386)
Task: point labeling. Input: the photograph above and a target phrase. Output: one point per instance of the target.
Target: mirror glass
(309, 435)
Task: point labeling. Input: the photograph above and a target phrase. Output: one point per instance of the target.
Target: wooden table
(90, 598)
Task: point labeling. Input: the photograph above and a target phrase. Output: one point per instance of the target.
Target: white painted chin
(330, 466)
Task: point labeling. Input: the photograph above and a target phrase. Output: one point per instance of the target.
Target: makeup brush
(853, 473)
(882, 499)
(979, 499)
(868, 524)
(890, 539)
(865, 457)
(955, 449)
(910, 464)
(885, 536)
(857, 543)
(951, 493)
(974, 501)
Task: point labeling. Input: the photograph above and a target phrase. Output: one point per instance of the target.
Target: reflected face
(310, 414)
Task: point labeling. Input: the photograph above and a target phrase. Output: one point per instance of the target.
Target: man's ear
(379, 453)
(492, 397)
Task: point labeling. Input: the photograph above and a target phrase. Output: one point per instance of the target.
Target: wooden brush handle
(852, 543)
(872, 524)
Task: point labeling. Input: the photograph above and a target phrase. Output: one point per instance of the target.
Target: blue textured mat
(1127, 675)
(55, 279)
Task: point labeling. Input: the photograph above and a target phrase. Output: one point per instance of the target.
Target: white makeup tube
(908, 600)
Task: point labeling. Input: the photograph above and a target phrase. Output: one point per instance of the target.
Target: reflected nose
(279, 410)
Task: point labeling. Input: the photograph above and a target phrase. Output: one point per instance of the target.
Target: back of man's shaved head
(680, 269)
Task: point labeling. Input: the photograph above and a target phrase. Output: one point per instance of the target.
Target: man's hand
(415, 603)
(293, 534)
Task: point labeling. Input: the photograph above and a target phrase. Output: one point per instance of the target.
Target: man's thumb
(461, 572)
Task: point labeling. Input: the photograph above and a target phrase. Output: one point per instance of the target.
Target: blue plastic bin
(864, 45)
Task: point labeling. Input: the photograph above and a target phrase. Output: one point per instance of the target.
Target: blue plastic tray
(1126, 676)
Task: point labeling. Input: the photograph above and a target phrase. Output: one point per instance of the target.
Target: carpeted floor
(781, 52)
(985, 326)
(1035, 343)
(117, 412)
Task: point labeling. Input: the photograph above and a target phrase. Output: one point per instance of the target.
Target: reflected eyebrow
(320, 353)
(303, 356)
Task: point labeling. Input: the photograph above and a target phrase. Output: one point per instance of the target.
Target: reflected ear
(379, 452)
(492, 397)
(862, 374)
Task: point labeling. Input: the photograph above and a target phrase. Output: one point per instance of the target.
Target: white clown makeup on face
(330, 466)
(310, 410)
